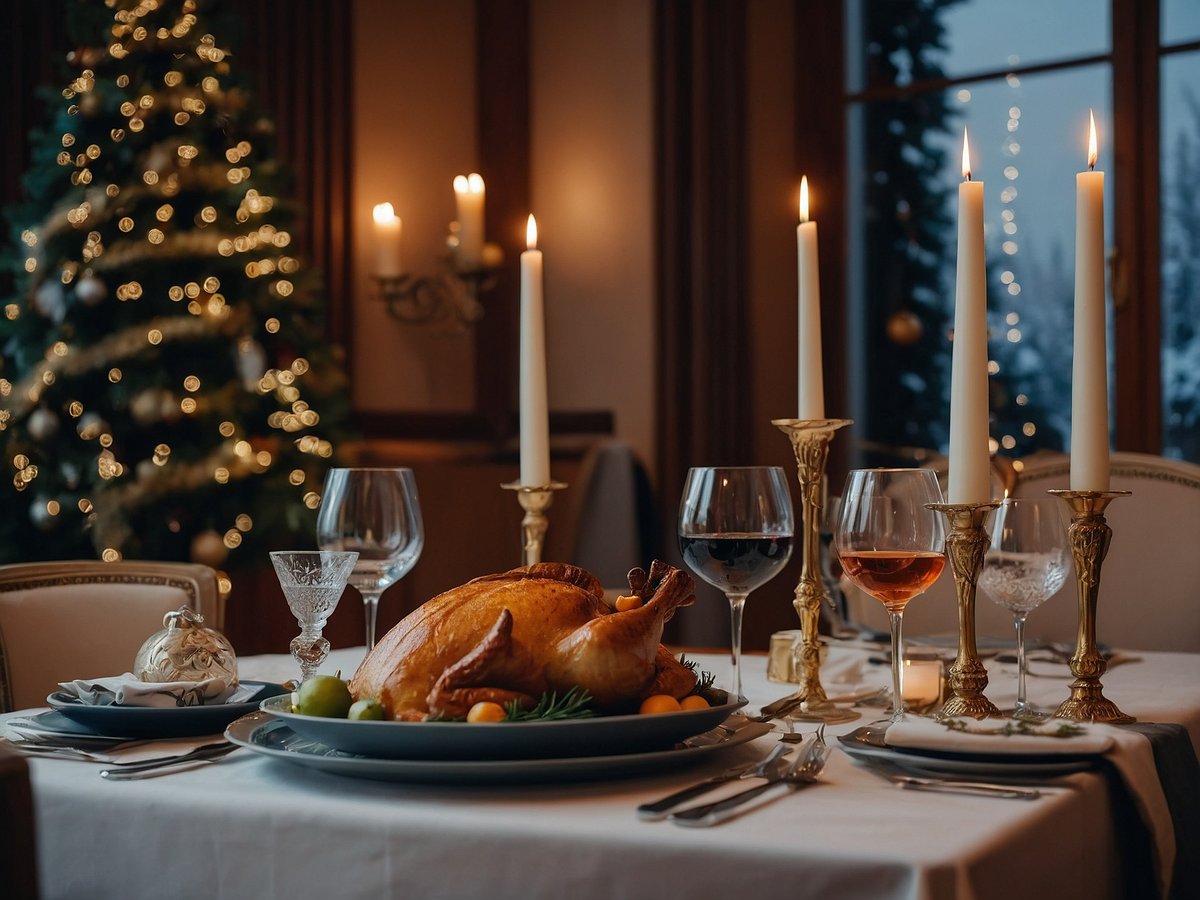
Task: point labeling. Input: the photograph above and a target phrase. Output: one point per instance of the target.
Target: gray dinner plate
(597, 736)
(157, 721)
(274, 738)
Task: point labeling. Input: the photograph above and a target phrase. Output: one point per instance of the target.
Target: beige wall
(414, 114)
(591, 176)
(592, 149)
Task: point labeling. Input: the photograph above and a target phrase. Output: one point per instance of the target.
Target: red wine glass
(735, 532)
(891, 546)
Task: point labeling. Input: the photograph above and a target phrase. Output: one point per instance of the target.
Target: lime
(366, 709)
(323, 695)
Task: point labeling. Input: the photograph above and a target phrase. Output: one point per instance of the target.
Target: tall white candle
(469, 194)
(970, 480)
(1089, 368)
(811, 387)
(387, 241)
(535, 419)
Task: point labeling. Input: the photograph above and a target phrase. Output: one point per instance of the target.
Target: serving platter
(274, 738)
(596, 736)
(161, 722)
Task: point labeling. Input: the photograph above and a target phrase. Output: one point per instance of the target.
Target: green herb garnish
(571, 705)
(1064, 730)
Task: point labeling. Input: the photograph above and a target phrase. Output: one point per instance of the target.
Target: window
(1020, 76)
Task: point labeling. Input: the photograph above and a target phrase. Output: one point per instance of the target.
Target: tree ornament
(43, 425)
(91, 290)
(39, 514)
(49, 301)
(251, 362)
(904, 328)
(146, 406)
(208, 549)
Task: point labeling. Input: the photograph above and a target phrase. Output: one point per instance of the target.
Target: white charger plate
(274, 738)
(596, 736)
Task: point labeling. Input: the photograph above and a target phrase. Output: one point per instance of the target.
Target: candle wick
(1091, 167)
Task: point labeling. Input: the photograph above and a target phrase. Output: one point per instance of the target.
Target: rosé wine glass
(891, 546)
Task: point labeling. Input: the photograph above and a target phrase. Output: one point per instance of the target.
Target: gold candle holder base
(810, 442)
(535, 499)
(966, 545)
(1089, 535)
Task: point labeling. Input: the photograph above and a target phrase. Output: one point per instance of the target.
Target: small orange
(623, 604)
(693, 701)
(486, 711)
(659, 703)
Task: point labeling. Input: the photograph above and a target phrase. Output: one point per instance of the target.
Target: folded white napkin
(1021, 737)
(1129, 751)
(127, 690)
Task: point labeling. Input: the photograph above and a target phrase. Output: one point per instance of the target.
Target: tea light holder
(921, 682)
(1089, 535)
(966, 545)
(810, 443)
(535, 500)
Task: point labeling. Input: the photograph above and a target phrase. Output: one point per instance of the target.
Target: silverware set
(773, 770)
(98, 749)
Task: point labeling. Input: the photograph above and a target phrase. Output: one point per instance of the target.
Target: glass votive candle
(921, 682)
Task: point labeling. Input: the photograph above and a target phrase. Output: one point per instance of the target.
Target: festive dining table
(254, 827)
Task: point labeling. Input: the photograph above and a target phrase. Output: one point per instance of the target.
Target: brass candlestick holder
(1089, 535)
(966, 545)
(535, 500)
(810, 442)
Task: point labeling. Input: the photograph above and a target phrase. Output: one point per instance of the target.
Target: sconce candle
(387, 241)
(970, 480)
(1089, 368)
(535, 419)
(469, 193)
(811, 387)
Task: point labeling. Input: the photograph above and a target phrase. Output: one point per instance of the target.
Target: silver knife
(136, 769)
(979, 788)
(659, 808)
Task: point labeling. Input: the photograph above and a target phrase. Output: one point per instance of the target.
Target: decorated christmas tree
(168, 390)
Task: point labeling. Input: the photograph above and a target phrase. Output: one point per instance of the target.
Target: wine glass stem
(371, 607)
(736, 602)
(1019, 622)
(897, 621)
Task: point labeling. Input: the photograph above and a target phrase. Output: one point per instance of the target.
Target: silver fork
(803, 771)
(652, 812)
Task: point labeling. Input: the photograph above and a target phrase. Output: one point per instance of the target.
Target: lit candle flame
(966, 160)
(531, 233)
(1092, 154)
(475, 183)
(460, 184)
(383, 213)
(804, 199)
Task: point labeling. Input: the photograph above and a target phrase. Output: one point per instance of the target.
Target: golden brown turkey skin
(519, 634)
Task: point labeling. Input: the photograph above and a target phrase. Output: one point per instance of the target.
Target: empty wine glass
(1025, 566)
(735, 532)
(312, 582)
(374, 511)
(891, 546)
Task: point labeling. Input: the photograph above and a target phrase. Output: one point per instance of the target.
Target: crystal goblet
(312, 582)
(1026, 566)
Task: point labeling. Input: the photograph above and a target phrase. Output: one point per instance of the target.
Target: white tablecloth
(249, 827)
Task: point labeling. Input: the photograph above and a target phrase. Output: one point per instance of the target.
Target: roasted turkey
(522, 633)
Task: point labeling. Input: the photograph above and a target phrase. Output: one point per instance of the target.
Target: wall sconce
(449, 298)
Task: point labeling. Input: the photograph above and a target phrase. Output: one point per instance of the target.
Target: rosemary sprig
(571, 705)
(704, 679)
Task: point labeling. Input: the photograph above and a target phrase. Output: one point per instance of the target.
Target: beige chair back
(1149, 599)
(83, 619)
